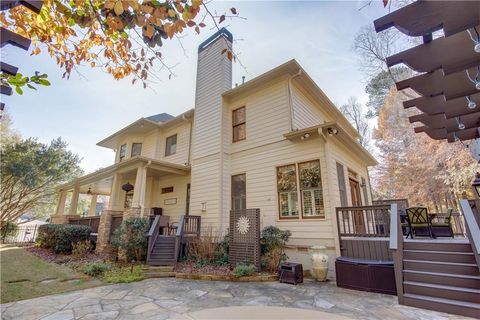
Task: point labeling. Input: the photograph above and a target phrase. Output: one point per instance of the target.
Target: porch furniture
(442, 225)
(172, 229)
(290, 273)
(404, 223)
(365, 275)
(419, 222)
(156, 211)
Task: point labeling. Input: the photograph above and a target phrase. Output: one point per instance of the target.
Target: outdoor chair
(443, 226)
(419, 222)
(404, 223)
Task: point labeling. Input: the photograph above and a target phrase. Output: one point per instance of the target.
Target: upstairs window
(136, 149)
(171, 145)
(238, 123)
(123, 152)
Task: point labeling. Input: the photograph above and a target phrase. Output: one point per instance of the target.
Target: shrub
(273, 242)
(82, 248)
(96, 268)
(206, 249)
(244, 270)
(124, 275)
(8, 229)
(130, 237)
(61, 237)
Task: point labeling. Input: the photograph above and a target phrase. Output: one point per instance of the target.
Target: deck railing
(364, 221)
(92, 222)
(471, 212)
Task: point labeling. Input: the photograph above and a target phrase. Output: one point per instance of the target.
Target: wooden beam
(437, 104)
(440, 134)
(423, 17)
(436, 83)
(34, 5)
(451, 54)
(8, 68)
(9, 37)
(438, 121)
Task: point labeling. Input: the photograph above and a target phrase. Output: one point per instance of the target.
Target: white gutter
(290, 102)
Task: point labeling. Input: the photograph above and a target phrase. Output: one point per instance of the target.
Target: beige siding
(148, 142)
(306, 113)
(183, 143)
(157, 199)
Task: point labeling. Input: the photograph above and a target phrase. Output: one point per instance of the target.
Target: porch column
(138, 200)
(74, 203)
(93, 206)
(61, 202)
(114, 203)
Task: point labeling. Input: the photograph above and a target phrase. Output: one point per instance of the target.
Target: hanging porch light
(127, 187)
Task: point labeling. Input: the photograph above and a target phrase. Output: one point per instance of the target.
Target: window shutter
(341, 185)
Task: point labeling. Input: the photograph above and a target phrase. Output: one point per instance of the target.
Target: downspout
(189, 138)
(290, 102)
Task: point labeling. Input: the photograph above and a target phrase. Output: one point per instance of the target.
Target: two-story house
(276, 143)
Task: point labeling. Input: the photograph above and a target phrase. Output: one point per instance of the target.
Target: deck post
(61, 202)
(396, 245)
(138, 200)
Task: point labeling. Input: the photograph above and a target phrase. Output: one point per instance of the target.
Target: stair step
(443, 267)
(462, 308)
(159, 274)
(450, 245)
(458, 280)
(442, 291)
(444, 256)
(159, 262)
(148, 268)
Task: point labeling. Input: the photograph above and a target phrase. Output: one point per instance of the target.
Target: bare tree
(355, 113)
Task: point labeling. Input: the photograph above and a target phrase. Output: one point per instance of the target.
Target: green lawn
(24, 276)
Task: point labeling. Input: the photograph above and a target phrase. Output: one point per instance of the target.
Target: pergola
(448, 67)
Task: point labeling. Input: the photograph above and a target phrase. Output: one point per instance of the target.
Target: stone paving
(172, 298)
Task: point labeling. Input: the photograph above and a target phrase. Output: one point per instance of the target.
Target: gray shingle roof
(161, 117)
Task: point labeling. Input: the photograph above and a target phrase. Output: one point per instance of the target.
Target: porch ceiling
(102, 178)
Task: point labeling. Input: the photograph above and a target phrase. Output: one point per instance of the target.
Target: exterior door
(239, 192)
(358, 219)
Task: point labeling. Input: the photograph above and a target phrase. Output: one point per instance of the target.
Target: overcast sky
(91, 106)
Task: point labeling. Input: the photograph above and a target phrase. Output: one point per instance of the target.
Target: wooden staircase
(166, 250)
(441, 275)
(163, 251)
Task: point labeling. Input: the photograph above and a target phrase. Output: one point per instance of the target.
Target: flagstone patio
(185, 299)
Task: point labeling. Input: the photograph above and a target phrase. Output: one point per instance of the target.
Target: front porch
(135, 187)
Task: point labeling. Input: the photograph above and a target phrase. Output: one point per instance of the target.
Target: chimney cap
(220, 33)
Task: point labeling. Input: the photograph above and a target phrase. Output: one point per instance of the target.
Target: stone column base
(104, 228)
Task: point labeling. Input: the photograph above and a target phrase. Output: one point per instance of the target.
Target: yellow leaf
(92, 64)
(148, 31)
(118, 8)
(171, 13)
(109, 4)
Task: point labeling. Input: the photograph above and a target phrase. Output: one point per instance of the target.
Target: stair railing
(396, 246)
(153, 234)
(472, 226)
(188, 227)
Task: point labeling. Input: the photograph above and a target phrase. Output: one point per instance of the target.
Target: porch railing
(471, 211)
(189, 228)
(364, 221)
(92, 222)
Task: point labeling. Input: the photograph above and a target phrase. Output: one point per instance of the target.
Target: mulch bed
(66, 259)
(192, 267)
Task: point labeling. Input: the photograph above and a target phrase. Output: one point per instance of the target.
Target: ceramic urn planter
(319, 262)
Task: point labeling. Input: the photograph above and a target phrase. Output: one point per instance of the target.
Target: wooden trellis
(245, 237)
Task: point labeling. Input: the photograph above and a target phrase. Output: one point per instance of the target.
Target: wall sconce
(305, 136)
(332, 131)
(204, 206)
(476, 184)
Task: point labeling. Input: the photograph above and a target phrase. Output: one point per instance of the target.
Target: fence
(24, 234)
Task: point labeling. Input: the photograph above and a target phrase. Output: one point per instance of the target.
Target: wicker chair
(419, 222)
(443, 228)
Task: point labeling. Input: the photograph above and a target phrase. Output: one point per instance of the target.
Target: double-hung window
(136, 149)
(171, 145)
(299, 189)
(239, 124)
(287, 191)
(122, 152)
